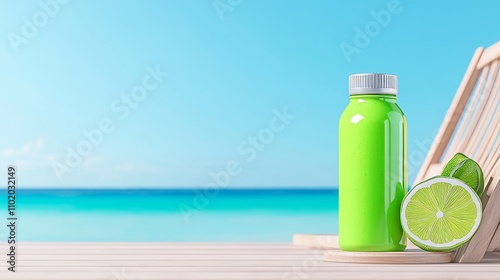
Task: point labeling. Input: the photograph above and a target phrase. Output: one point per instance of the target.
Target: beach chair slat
(494, 173)
(490, 54)
(488, 166)
(484, 124)
(471, 131)
(476, 248)
(493, 133)
(495, 242)
(452, 116)
(459, 136)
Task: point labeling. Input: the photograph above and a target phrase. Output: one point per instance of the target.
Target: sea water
(171, 215)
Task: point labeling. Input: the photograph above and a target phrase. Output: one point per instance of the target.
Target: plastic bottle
(372, 166)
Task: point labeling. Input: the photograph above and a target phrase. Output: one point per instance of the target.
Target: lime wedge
(467, 170)
(441, 214)
(453, 163)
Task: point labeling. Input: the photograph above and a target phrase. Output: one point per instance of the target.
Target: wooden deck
(134, 261)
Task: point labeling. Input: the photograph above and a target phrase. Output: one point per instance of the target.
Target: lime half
(467, 170)
(441, 214)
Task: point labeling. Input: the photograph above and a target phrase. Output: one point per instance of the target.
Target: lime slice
(441, 214)
(467, 170)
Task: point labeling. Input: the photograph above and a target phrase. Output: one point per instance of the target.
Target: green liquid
(372, 174)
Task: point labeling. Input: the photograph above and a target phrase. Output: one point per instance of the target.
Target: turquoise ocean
(171, 215)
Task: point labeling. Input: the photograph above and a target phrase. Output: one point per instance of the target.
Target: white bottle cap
(372, 83)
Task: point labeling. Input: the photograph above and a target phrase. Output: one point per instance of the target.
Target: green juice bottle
(372, 166)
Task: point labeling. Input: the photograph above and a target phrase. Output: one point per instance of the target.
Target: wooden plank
(452, 116)
(360, 273)
(490, 54)
(435, 169)
(139, 258)
(490, 187)
(175, 252)
(170, 263)
(334, 267)
(473, 132)
(321, 241)
(476, 248)
(210, 265)
(482, 126)
(460, 135)
(492, 160)
(494, 131)
(495, 242)
(148, 245)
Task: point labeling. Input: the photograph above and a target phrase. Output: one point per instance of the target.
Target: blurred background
(211, 120)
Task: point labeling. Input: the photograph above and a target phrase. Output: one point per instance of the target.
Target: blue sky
(232, 72)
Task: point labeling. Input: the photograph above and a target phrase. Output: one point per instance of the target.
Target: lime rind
(467, 170)
(441, 214)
